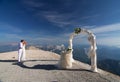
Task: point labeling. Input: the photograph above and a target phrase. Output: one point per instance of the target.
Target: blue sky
(52, 21)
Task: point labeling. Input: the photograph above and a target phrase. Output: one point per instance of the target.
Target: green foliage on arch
(77, 30)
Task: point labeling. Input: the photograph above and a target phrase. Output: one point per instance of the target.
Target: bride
(24, 52)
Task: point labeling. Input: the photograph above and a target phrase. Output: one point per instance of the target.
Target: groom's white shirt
(20, 45)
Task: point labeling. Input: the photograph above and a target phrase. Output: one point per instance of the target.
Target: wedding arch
(67, 56)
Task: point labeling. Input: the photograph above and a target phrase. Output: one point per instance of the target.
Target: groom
(21, 50)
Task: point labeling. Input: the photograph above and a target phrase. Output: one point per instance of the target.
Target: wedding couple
(21, 51)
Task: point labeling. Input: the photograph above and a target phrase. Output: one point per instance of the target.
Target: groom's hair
(21, 40)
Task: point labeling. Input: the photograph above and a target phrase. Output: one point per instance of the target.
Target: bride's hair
(24, 42)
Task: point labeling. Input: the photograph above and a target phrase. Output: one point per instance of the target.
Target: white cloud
(108, 34)
(90, 17)
(7, 27)
(56, 18)
(60, 47)
(49, 40)
(13, 36)
(109, 41)
(107, 28)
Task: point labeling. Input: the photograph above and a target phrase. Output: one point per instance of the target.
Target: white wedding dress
(24, 53)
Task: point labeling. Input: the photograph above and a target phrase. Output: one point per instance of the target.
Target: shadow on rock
(8, 60)
(45, 66)
(78, 70)
(25, 61)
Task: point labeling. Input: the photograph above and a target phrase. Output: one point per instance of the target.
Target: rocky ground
(40, 66)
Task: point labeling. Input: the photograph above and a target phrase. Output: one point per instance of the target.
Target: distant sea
(7, 48)
(108, 58)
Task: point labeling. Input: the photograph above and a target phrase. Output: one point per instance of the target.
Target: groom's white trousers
(20, 54)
